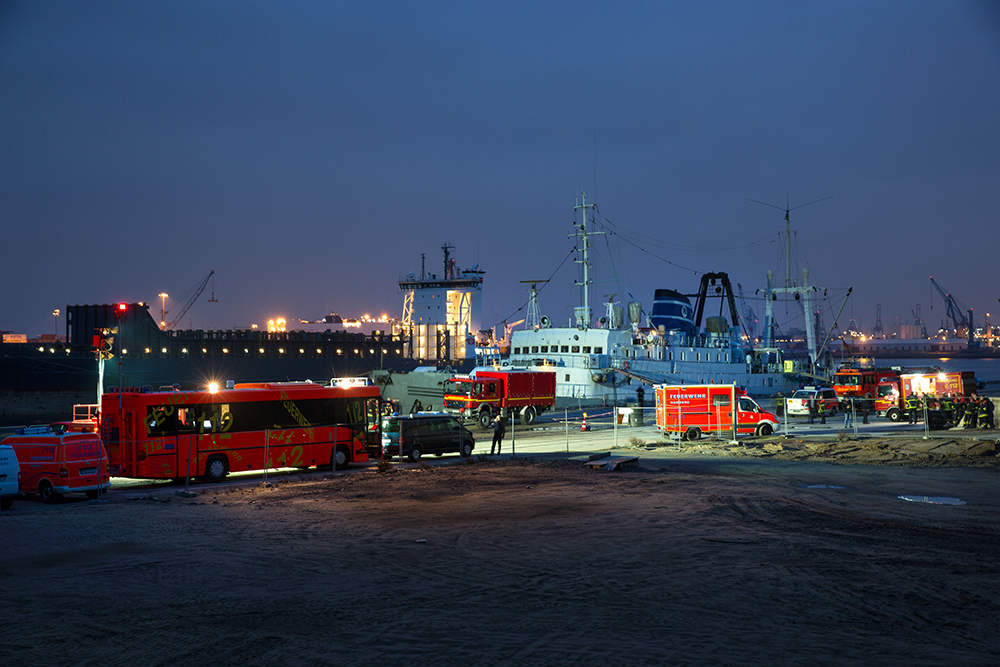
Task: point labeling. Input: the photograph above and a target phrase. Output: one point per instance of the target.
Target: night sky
(309, 152)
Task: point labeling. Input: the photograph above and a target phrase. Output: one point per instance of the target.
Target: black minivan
(425, 433)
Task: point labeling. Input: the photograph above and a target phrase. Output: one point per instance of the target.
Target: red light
(122, 307)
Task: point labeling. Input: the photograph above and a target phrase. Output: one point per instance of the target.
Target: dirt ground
(781, 553)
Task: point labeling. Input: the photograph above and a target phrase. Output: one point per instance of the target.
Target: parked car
(10, 477)
(425, 433)
(798, 404)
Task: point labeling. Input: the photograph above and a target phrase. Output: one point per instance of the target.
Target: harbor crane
(199, 288)
(954, 311)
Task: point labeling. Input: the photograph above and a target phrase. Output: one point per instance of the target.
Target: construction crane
(198, 289)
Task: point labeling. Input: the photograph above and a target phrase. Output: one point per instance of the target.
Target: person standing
(812, 410)
(848, 413)
(912, 405)
(822, 411)
(499, 431)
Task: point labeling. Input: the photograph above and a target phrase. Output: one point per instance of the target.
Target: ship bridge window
(545, 348)
(575, 349)
(564, 348)
(517, 350)
(598, 350)
(534, 349)
(586, 349)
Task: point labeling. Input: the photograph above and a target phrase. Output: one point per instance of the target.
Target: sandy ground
(742, 555)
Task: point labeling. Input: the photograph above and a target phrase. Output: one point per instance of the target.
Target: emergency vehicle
(691, 410)
(483, 394)
(861, 383)
(56, 463)
(890, 399)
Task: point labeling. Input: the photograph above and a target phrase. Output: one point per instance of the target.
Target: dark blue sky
(308, 152)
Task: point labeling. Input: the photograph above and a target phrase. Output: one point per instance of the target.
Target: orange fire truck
(173, 434)
(890, 399)
(691, 410)
(482, 394)
(861, 383)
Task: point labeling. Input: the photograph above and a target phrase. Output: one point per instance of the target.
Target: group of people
(963, 411)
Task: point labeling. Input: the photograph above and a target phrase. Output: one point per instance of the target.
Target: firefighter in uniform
(822, 411)
(959, 410)
(912, 405)
(947, 407)
(972, 412)
(985, 413)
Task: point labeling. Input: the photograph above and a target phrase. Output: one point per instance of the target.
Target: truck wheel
(46, 492)
(484, 418)
(764, 430)
(216, 469)
(693, 433)
(528, 416)
(893, 414)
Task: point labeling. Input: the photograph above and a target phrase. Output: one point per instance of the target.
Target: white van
(10, 477)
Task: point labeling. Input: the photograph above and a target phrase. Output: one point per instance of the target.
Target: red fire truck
(691, 410)
(483, 394)
(249, 427)
(858, 383)
(890, 399)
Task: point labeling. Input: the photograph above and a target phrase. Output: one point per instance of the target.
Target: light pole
(55, 314)
(163, 309)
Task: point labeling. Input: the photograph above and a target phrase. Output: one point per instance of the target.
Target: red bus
(149, 434)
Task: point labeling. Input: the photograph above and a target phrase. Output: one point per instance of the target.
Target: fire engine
(890, 400)
(861, 383)
(691, 410)
(483, 394)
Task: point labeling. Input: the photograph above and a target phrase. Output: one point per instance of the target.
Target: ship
(609, 359)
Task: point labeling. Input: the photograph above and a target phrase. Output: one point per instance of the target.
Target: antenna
(534, 317)
(788, 231)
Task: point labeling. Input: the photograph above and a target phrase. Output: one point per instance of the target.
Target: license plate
(88, 471)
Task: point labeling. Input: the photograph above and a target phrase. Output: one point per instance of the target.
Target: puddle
(933, 500)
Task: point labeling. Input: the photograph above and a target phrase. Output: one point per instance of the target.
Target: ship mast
(583, 313)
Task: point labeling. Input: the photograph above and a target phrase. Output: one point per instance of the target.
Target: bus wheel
(764, 429)
(528, 416)
(484, 418)
(47, 493)
(693, 433)
(339, 458)
(415, 453)
(216, 469)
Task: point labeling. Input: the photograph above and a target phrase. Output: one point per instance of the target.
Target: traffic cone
(584, 427)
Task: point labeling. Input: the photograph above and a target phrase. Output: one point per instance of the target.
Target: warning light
(120, 309)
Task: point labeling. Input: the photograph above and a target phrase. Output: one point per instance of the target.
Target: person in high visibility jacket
(912, 406)
(985, 413)
(972, 412)
(948, 407)
(822, 412)
(959, 410)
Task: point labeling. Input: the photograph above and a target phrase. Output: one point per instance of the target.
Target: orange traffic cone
(584, 427)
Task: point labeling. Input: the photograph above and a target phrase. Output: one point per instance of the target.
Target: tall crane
(199, 288)
(954, 311)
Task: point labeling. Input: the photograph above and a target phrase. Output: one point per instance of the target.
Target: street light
(163, 309)
(55, 314)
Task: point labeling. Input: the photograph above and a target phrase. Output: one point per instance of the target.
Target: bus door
(373, 427)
